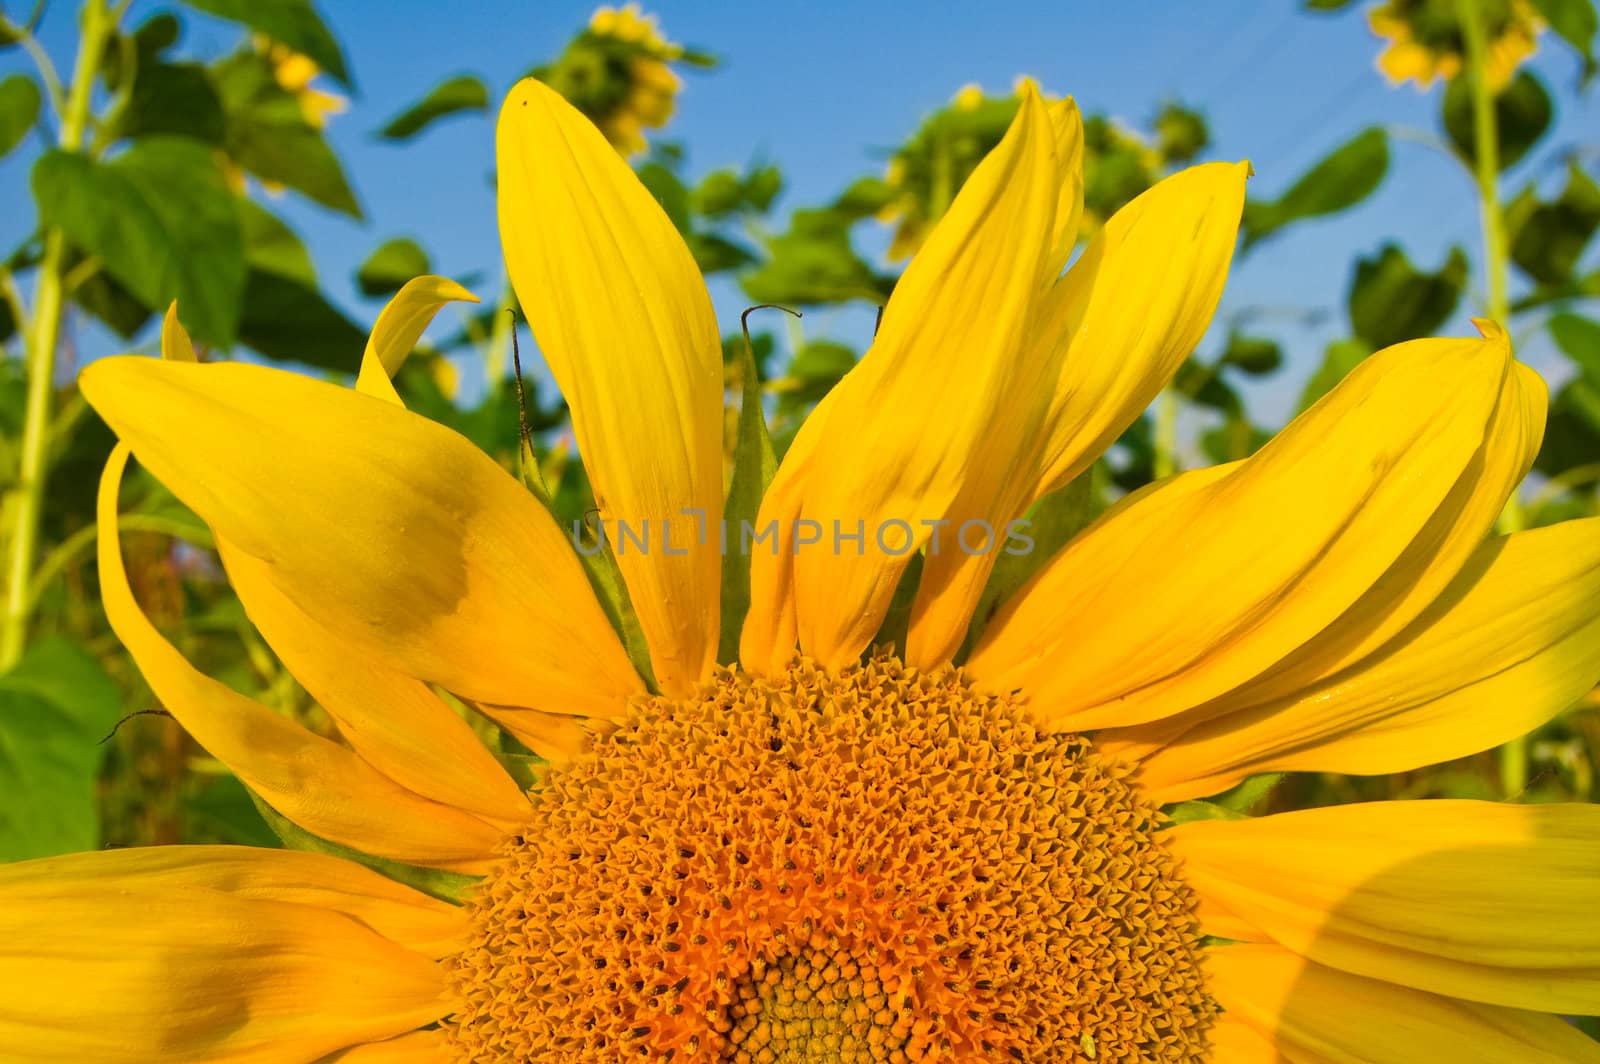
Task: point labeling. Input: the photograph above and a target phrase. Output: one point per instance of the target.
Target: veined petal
(1319, 1015)
(323, 787)
(941, 400)
(393, 721)
(1185, 594)
(625, 323)
(1233, 1041)
(1514, 641)
(1435, 556)
(1132, 309)
(1487, 902)
(383, 526)
(400, 914)
(398, 329)
(1002, 457)
(128, 956)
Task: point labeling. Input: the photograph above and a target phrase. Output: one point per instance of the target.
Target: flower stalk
(43, 335)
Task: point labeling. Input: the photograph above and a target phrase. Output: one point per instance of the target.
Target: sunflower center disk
(872, 865)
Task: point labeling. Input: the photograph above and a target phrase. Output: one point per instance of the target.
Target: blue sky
(825, 88)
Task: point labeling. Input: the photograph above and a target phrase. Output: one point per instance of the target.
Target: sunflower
(617, 72)
(1426, 39)
(841, 847)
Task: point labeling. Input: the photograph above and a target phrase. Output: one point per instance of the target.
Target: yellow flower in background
(617, 73)
(295, 73)
(825, 851)
(1426, 39)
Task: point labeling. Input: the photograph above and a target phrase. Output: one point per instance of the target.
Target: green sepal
(755, 462)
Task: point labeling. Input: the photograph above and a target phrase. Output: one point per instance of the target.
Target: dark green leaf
(1232, 440)
(754, 464)
(269, 136)
(761, 186)
(1341, 357)
(109, 301)
(1579, 340)
(1572, 434)
(270, 245)
(294, 23)
(394, 263)
(161, 219)
(720, 192)
(1522, 115)
(1548, 239)
(55, 707)
(1255, 355)
(451, 96)
(1203, 384)
(1325, 5)
(19, 110)
(173, 98)
(221, 810)
(716, 254)
(289, 321)
(1574, 22)
(1345, 177)
(1390, 300)
(865, 197)
(1181, 134)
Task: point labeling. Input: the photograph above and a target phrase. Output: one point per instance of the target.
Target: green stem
(1165, 443)
(1486, 142)
(42, 339)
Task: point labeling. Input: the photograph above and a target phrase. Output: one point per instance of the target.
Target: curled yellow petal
(382, 526)
(398, 329)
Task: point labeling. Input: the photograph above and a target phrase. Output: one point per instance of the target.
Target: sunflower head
(873, 864)
(618, 73)
(295, 73)
(1427, 41)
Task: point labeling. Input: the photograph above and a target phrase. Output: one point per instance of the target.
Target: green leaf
(1203, 384)
(670, 192)
(270, 245)
(717, 254)
(1574, 22)
(1325, 5)
(269, 136)
(19, 110)
(290, 22)
(289, 321)
(175, 99)
(1522, 115)
(1548, 239)
(395, 262)
(161, 218)
(1579, 340)
(1345, 177)
(222, 810)
(754, 464)
(814, 263)
(1248, 794)
(719, 192)
(1190, 811)
(761, 186)
(1255, 355)
(447, 886)
(450, 97)
(1572, 433)
(865, 197)
(1181, 133)
(110, 302)
(55, 708)
(1341, 357)
(1391, 300)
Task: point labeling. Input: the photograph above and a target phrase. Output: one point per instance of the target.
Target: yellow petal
(321, 786)
(1514, 641)
(625, 323)
(941, 402)
(1132, 309)
(394, 722)
(398, 329)
(382, 526)
(175, 343)
(130, 957)
(1492, 903)
(1185, 594)
(1002, 456)
(400, 914)
(1233, 1041)
(1436, 554)
(1316, 1014)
